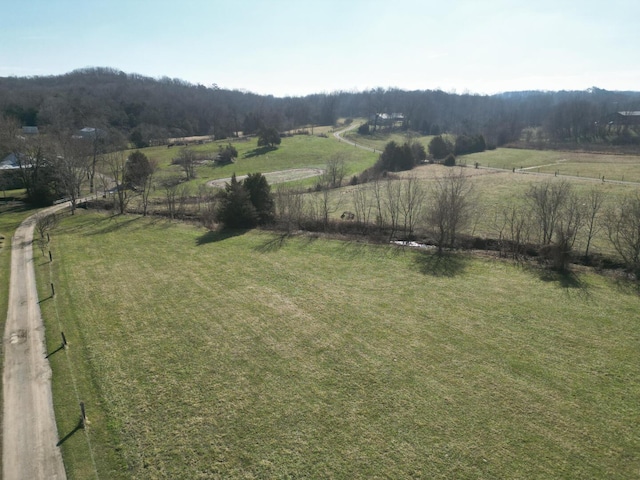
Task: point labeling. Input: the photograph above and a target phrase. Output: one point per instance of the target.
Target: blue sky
(297, 47)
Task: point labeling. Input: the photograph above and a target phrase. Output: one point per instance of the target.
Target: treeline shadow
(256, 152)
(212, 236)
(444, 264)
(567, 279)
(110, 225)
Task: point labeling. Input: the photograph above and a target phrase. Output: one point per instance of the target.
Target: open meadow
(575, 164)
(308, 151)
(251, 355)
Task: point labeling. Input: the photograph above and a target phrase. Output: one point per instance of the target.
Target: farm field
(493, 191)
(592, 165)
(299, 151)
(208, 355)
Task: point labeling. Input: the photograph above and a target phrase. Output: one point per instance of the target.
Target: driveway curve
(280, 176)
(29, 430)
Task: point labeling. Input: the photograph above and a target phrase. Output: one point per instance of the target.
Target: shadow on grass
(568, 280)
(45, 299)
(61, 347)
(113, 225)
(447, 264)
(273, 244)
(217, 236)
(256, 152)
(79, 426)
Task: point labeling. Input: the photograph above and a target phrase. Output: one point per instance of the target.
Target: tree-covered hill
(143, 109)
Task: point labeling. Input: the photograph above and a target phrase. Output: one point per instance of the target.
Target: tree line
(548, 220)
(143, 109)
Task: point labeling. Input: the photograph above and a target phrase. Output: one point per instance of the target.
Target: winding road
(29, 433)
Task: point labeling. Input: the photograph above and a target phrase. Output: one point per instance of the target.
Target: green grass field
(592, 165)
(202, 355)
(494, 191)
(299, 151)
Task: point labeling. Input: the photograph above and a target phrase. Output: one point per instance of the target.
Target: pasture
(493, 192)
(299, 151)
(251, 355)
(575, 164)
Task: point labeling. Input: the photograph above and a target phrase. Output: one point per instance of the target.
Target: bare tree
(547, 200)
(392, 199)
(148, 185)
(325, 207)
(378, 198)
(71, 167)
(43, 226)
(362, 206)
(593, 205)
(183, 195)
(187, 159)
(411, 203)
(115, 164)
(518, 227)
(450, 207)
(289, 207)
(334, 171)
(170, 186)
(207, 203)
(570, 220)
(623, 229)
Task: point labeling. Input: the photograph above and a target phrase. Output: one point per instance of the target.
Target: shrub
(439, 147)
(364, 129)
(450, 161)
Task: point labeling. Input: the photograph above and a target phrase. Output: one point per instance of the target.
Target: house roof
(9, 162)
(390, 116)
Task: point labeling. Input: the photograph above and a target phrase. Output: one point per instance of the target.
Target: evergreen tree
(261, 198)
(236, 209)
(439, 148)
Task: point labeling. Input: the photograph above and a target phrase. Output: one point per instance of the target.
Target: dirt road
(29, 429)
(275, 177)
(340, 138)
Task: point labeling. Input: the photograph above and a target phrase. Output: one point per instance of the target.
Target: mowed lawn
(201, 355)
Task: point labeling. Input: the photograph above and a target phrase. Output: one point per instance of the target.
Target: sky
(298, 47)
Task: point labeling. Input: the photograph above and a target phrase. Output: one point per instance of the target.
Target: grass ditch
(248, 355)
